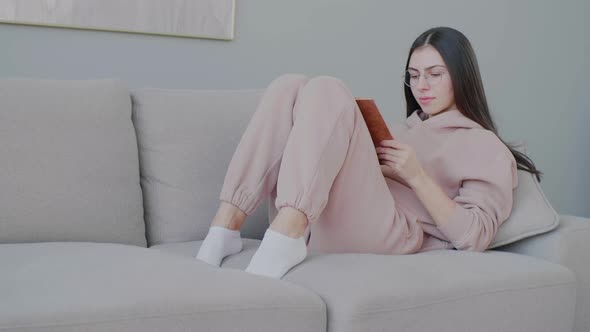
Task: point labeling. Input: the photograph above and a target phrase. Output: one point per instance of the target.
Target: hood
(449, 119)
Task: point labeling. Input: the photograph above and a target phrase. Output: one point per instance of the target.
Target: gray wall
(532, 55)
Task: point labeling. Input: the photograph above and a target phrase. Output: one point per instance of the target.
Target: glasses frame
(427, 76)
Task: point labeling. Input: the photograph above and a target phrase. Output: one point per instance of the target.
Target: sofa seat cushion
(114, 287)
(442, 290)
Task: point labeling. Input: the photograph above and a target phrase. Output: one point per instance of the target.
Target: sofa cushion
(567, 245)
(186, 141)
(441, 290)
(531, 214)
(69, 166)
(114, 287)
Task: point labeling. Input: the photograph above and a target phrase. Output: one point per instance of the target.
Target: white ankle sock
(277, 254)
(219, 243)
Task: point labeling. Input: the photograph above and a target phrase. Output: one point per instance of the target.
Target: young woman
(445, 182)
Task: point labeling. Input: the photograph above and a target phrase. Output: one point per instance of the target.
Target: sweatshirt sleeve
(484, 202)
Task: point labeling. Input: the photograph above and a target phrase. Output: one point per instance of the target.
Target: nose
(422, 83)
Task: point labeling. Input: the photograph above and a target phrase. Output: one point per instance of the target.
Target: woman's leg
(360, 215)
(314, 153)
(254, 167)
(330, 172)
(253, 171)
(329, 152)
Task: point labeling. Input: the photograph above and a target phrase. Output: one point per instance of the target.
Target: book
(375, 123)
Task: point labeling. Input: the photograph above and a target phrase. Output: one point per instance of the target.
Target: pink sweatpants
(308, 147)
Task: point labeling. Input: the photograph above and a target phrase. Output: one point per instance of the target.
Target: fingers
(387, 165)
(386, 142)
(390, 151)
(382, 150)
(390, 157)
(391, 143)
(385, 150)
(392, 146)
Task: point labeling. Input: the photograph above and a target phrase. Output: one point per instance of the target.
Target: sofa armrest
(568, 245)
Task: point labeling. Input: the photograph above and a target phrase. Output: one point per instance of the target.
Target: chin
(429, 111)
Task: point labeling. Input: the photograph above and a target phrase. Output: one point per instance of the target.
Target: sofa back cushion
(186, 141)
(69, 169)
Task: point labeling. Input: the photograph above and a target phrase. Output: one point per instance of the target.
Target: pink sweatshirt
(471, 165)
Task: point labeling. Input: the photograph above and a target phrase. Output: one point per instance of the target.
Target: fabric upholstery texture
(568, 246)
(455, 290)
(186, 140)
(114, 287)
(69, 166)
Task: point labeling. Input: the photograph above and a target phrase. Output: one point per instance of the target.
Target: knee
(330, 87)
(288, 81)
(327, 84)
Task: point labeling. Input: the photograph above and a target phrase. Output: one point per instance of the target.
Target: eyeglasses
(411, 78)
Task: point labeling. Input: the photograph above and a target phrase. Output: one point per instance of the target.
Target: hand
(398, 162)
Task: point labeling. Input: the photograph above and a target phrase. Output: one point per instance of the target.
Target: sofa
(106, 193)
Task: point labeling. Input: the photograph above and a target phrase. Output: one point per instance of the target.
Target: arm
(438, 204)
(471, 219)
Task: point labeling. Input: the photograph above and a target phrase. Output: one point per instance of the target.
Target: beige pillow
(532, 213)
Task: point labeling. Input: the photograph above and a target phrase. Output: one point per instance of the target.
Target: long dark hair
(458, 55)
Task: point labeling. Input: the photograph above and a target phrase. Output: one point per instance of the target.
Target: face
(432, 84)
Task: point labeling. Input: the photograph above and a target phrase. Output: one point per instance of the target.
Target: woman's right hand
(389, 173)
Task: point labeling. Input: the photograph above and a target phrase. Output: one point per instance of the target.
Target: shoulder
(481, 146)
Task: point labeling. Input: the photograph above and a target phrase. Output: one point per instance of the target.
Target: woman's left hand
(399, 161)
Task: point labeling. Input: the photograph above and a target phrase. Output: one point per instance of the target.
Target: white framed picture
(212, 19)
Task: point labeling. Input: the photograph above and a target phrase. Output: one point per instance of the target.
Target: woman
(446, 182)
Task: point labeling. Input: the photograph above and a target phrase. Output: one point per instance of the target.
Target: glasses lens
(410, 79)
(434, 78)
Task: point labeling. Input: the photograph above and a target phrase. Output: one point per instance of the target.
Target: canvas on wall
(212, 19)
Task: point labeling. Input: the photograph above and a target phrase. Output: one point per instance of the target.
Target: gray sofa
(107, 192)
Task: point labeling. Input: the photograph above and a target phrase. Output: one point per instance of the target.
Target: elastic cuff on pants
(243, 200)
(302, 204)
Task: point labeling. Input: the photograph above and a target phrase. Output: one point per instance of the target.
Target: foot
(219, 243)
(277, 254)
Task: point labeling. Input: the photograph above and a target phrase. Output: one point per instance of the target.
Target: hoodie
(471, 165)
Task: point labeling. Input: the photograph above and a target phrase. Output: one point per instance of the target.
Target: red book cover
(377, 126)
